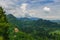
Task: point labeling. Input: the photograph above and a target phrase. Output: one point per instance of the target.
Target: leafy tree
(3, 24)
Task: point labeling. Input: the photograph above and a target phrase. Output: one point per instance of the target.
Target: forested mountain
(39, 29)
(29, 22)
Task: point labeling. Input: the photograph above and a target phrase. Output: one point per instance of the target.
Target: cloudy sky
(46, 9)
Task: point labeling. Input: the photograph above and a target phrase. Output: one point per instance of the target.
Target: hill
(38, 29)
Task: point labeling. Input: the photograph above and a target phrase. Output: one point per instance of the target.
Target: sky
(46, 9)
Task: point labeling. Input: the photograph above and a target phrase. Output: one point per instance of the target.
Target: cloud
(24, 7)
(34, 8)
(10, 7)
(52, 17)
(46, 9)
(6, 3)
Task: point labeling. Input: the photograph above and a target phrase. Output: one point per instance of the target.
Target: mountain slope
(27, 23)
(36, 28)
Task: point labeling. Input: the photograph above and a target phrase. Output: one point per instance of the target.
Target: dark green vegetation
(37, 29)
(2, 20)
(3, 25)
(12, 28)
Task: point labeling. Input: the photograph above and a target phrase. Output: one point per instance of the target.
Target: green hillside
(39, 29)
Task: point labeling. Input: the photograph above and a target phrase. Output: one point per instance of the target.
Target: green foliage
(23, 36)
(1, 38)
(18, 35)
(3, 24)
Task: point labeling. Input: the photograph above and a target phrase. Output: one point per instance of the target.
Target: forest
(12, 28)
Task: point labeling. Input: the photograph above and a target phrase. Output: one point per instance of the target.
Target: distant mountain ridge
(30, 21)
(57, 21)
(31, 18)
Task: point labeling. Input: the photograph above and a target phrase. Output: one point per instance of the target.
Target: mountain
(31, 22)
(36, 28)
(31, 18)
(11, 18)
(57, 21)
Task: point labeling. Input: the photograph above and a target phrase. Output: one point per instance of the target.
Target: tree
(3, 24)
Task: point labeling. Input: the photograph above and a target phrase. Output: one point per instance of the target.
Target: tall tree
(3, 24)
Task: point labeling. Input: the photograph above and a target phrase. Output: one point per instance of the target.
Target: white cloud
(24, 7)
(46, 9)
